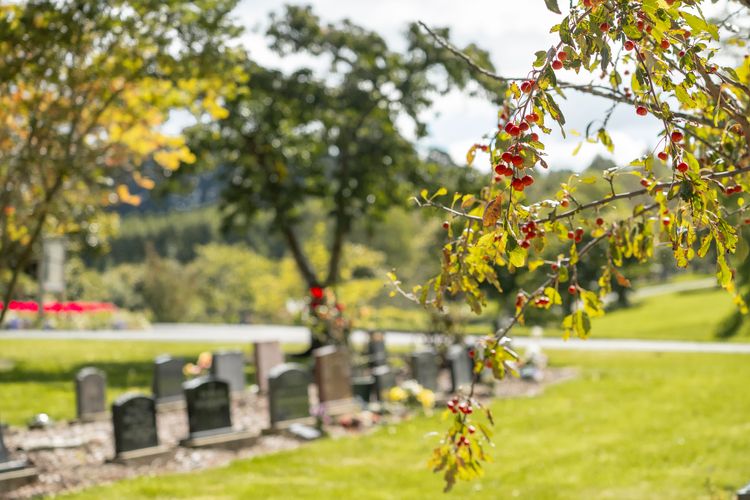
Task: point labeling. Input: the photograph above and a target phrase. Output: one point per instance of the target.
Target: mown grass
(632, 426)
(691, 315)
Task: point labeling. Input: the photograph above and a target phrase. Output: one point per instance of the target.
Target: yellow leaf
(492, 211)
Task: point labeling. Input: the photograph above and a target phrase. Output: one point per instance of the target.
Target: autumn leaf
(492, 211)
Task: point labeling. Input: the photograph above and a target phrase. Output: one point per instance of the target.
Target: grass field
(632, 426)
(693, 315)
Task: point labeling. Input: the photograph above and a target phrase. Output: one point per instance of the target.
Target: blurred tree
(334, 138)
(84, 88)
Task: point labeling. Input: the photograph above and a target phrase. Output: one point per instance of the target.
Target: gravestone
(13, 473)
(384, 380)
(134, 423)
(209, 415)
(229, 366)
(363, 387)
(333, 377)
(90, 394)
(460, 367)
(288, 398)
(267, 355)
(208, 406)
(167, 379)
(424, 369)
(376, 351)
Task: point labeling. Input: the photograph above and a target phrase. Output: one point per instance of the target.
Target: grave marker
(460, 367)
(384, 380)
(267, 355)
(333, 377)
(288, 398)
(424, 369)
(167, 379)
(209, 415)
(230, 366)
(90, 394)
(134, 423)
(13, 473)
(376, 351)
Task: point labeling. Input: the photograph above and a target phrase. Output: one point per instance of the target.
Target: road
(300, 335)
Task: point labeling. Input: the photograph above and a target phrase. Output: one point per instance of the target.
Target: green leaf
(517, 256)
(552, 5)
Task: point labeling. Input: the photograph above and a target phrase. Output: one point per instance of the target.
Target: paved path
(300, 335)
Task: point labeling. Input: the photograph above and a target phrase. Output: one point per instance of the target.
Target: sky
(510, 30)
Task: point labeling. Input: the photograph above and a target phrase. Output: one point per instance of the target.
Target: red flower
(316, 292)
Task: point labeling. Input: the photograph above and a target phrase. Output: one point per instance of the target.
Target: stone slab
(142, 456)
(228, 440)
(13, 479)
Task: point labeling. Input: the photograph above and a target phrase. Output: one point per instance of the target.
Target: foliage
(662, 58)
(331, 138)
(84, 87)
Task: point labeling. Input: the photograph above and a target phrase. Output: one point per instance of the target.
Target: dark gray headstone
(424, 369)
(208, 406)
(168, 378)
(288, 397)
(4, 453)
(90, 392)
(460, 366)
(363, 387)
(134, 422)
(744, 493)
(230, 366)
(376, 351)
(384, 380)
(333, 374)
(267, 355)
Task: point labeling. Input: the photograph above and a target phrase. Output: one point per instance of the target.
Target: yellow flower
(397, 394)
(427, 398)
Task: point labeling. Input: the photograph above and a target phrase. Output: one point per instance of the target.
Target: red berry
(562, 55)
(525, 244)
(554, 266)
(639, 24)
(599, 221)
(645, 182)
(515, 131)
(663, 155)
(499, 169)
(579, 232)
(681, 53)
(677, 136)
(517, 160)
(508, 127)
(641, 111)
(534, 137)
(532, 118)
(556, 64)
(471, 353)
(682, 167)
(572, 289)
(507, 157)
(604, 27)
(666, 221)
(629, 45)
(517, 184)
(571, 235)
(564, 202)
(527, 180)
(523, 126)
(446, 224)
(664, 44)
(471, 429)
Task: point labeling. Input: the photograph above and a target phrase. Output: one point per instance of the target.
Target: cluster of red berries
(464, 407)
(733, 189)
(530, 231)
(558, 62)
(576, 235)
(542, 301)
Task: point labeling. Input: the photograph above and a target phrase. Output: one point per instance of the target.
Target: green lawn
(693, 315)
(633, 426)
(43, 371)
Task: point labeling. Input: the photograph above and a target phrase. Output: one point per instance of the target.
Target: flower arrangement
(411, 394)
(200, 367)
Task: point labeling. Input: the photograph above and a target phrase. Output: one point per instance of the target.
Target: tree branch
(299, 256)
